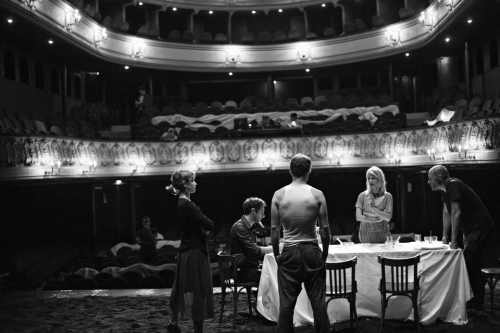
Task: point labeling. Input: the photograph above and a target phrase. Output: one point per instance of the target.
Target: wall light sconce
(72, 19)
(51, 172)
(233, 56)
(268, 162)
(392, 37)
(465, 156)
(303, 53)
(138, 50)
(100, 37)
(446, 3)
(432, 155)
(93, 167)
(30, 4)
(425, 21)
(200, 162)
(330, 157)
(136, 169)
(396, 159)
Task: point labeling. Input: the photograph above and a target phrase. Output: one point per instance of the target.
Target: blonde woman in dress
(374, 208)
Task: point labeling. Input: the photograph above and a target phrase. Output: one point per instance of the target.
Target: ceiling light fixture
(230, 73)
(469, 21)
(9, 20)
(253, 12)
(407, 54)
(140, 3)
(308, 70)
(210, 12)
(280, 10)
(323, 5)
(447, 39)
(126, 67)
(51, 41)
(174, 9)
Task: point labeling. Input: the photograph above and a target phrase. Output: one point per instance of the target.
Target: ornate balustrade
(471, 141)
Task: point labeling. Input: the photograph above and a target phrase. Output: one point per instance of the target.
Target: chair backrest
(187, 36)
(116, 24)
(86, 284)
(329, 32)
(248, 38)
(55, 285)
(400, 282)
(154, 33)
(151, 282)
(227, 269)
(220, 38)
(168, 277)
(116, 283)
(360, 24)
(265, 38)
(101, 278)
(206, 37)
(293, 36)
(279, 37)
(174, 35)
(107, 22)
(338, 278)
(124, 27)
(378, 21)
(349, 28)
(133, 278)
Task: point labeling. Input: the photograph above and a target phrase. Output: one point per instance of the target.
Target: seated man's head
(300, 166)
(142, 90)
(253, 208)
(146, 222)
(293, 116)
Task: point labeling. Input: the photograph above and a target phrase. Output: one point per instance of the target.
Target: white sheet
(444, 286)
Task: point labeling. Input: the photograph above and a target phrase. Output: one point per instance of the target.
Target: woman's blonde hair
(381, 179)
(179, 180)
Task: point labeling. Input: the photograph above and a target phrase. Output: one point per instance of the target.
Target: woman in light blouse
(374, 208)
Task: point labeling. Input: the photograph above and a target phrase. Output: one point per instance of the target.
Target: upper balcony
(132, 50)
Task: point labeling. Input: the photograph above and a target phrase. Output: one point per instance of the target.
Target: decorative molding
(29, 157)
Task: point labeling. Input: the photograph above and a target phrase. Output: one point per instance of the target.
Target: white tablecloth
(444, 285)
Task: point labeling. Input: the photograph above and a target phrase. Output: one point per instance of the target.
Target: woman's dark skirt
(193, 284)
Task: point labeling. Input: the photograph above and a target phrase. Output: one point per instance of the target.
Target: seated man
(146, 238)
(243, 240)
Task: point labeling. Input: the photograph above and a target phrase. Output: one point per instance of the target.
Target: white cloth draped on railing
(279, 117)
(159, 245)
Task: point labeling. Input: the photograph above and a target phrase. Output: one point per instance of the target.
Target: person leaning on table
(464, 210)
(374, 208)
(297, 206)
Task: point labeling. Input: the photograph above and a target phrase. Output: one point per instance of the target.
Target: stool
(492, 275)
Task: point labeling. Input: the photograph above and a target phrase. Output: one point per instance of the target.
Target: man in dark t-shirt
(464, 210)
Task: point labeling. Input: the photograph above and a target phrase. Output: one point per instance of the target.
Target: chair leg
(235, 297)
(415, 310)
(249, 298)
(353, 304)
(383, 303)
(223, 289)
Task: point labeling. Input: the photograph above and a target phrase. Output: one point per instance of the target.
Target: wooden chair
(492, 275)
(229, 279)
(399, 285)
(340, 287)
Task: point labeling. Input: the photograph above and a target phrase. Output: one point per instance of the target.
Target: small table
(444, 285)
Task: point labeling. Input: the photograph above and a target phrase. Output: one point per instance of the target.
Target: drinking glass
(389, 244)
(427, 239)
(434, 239)
(389, 239)
(418, 238)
